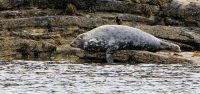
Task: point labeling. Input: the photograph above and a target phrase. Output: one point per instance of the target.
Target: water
(37, 77)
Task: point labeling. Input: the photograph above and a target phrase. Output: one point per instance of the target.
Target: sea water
(69, 77)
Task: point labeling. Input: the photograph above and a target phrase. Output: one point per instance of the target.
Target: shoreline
(46, 29)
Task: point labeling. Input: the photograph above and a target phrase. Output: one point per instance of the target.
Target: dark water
(31, 77)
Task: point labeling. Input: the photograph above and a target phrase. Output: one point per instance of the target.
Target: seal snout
(73, 43)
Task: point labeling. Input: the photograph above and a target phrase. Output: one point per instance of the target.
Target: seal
(109, 38)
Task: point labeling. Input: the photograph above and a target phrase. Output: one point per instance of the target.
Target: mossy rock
(147, 10)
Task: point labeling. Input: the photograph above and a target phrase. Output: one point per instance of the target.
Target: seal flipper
(109, 52)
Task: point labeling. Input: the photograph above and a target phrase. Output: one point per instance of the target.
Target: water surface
(40, 77)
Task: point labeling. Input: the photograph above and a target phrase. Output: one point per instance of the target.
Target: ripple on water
(69, 77)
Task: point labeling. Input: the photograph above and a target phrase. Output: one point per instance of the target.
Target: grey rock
(181, 35)
(56, 21)
(186, 12)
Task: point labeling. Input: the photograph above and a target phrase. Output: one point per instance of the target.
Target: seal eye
(161, 43)
(74, 43)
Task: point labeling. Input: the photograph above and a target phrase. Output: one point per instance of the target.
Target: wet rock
(128, 56)
(133, 56)
(30, 48)
(24, 50)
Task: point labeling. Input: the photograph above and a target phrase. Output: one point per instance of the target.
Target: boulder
(133, 56)
(128, 56)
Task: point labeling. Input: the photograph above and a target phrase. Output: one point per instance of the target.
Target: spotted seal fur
(110, 38)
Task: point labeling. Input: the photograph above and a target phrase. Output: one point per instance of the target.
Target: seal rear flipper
(109, 58)
(109, 53)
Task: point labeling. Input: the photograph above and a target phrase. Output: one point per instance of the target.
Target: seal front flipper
(109, 53)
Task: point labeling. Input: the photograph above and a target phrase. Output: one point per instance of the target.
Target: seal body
(119, 37)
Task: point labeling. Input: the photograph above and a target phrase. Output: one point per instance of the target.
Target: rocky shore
(43, 29)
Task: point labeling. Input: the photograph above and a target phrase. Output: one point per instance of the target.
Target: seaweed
(147, 10)
(71, 9)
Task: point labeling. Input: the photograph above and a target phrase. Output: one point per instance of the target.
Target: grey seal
(110, 38)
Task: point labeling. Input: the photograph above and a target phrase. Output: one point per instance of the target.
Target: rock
(133, 18)
(175, 12)
(9, 4)
(124, 7)
(35, 34)
(187, 11)
(194, 56)
(184, 47)
(4, 4)
(181, 35)
(20, 18)
(30, 48)
(55, 21)
(8, 14)
(133, 56)
(152, 2)
(24, 50)
(128, 56)
(170, 22)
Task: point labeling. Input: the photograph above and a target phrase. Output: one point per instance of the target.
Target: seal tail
(170, 46)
